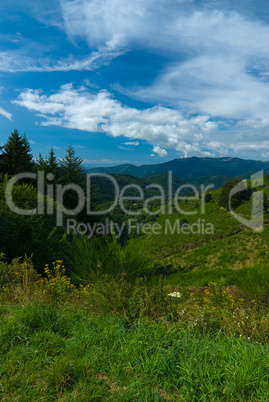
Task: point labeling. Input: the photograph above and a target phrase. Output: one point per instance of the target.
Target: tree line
(16, 157)
(35, 234)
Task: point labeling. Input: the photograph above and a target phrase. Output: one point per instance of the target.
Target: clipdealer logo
(169, 201)
(256, 222)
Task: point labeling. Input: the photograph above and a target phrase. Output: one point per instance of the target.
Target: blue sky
(138, 81)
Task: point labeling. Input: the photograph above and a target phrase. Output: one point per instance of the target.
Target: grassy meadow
(163, 318)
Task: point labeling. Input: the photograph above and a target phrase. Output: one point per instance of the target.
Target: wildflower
(175, 294)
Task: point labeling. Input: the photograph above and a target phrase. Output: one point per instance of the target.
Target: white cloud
(216, 58)
(220, 57)
(158, 150)
(255, 123)
(112, 24)
(217, 86)
(5, 114)
(125, 149)
(164, 128)
(133, 143)
(106, 162)
(18, 61)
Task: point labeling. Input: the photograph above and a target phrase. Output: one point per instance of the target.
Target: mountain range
(191, 169)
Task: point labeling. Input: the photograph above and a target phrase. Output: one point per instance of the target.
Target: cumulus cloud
(164, 128)
(158, 150)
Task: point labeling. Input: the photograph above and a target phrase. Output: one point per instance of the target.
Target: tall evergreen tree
(41, 163)
(72, 169)
(16, 157)
(52, 163)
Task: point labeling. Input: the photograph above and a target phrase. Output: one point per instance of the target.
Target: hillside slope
(230, 246)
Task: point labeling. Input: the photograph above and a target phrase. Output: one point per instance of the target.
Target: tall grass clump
(17, 279)
(255, 283)
(88, 259)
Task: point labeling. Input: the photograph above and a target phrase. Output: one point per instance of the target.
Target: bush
(32, 235)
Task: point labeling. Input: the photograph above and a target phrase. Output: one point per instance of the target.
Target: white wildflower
(175, 294)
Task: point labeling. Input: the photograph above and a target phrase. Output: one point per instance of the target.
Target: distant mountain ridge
(190, 169)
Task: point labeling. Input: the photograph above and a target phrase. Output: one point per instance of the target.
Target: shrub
(32, 235)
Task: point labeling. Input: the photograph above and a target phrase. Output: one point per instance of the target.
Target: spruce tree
(16, 157)
(52, 163)
(41, 164)
(72, 169)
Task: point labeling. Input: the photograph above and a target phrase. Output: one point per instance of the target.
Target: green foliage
(32, 235)
(208, 197)
(237, 199)
(92, 258)
(16, 157)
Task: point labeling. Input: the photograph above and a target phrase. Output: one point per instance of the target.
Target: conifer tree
(72, 169)
(52, 164)
(41, 163)
(16, 157)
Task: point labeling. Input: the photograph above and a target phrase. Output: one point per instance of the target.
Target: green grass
(121, 337)
(122, 340)
(244, 249)
(196, 260)
(89, 259)
(180, 246)
(52, 353)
